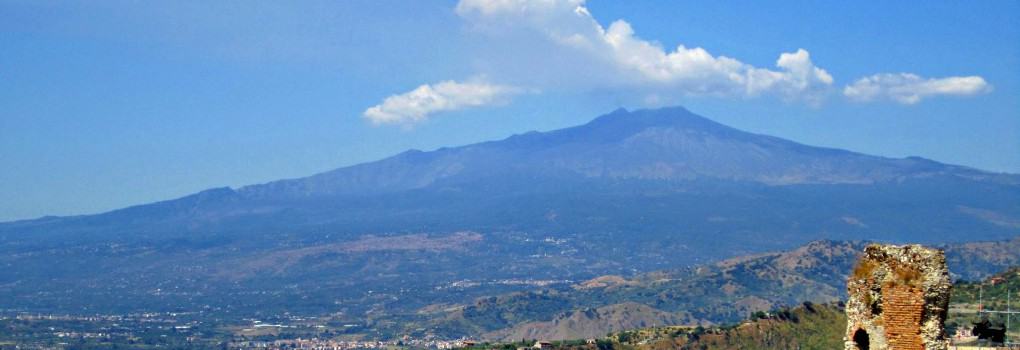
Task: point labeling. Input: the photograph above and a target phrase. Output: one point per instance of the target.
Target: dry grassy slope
(719, 293)
(817, 327)
(981, 257)
(592, 323)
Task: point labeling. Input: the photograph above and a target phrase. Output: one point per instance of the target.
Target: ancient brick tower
(899, 296)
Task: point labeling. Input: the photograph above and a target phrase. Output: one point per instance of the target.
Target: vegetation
(744, 292)
(807, 326)
(721, 293)
(989, 294)
(907, 275)
(993, 290)
(864, 269)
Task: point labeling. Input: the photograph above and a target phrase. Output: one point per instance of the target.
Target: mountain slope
(820, 326)
(807, 326)
(666, 158)
(665, 144)
(719, 293)
(630, 191)
(591, 323)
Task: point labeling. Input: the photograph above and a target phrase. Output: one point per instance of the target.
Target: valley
(696, 299)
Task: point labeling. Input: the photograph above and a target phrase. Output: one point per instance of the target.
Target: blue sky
(109, 104)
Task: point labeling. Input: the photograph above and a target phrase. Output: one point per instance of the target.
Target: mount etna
(627, 193)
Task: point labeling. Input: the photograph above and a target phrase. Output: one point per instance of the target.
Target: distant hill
(724, 292)
(806, 326)
(720, 293)
(801, 326)
(420, 232)
(591, 323)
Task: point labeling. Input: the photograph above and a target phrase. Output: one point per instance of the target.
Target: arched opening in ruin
(861, 339)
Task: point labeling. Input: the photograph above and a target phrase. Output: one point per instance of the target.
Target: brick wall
(901, 312)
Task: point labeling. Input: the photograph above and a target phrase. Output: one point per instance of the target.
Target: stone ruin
(899, 296)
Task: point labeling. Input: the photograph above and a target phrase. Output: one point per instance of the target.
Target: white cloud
(558, 45)
(685, 70)
(909, 88)
(417, 105)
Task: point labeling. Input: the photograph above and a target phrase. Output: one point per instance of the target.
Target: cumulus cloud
(909, 88)
(558, 45)
(417, 105)
(685, 70)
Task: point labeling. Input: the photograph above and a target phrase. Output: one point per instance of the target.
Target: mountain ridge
(620, 126)
(641, 129)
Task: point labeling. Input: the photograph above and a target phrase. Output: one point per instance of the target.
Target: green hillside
(968, 296)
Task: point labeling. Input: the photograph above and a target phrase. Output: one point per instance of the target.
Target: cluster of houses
(331, 344)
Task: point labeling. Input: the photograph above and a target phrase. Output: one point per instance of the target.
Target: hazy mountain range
(630, 191)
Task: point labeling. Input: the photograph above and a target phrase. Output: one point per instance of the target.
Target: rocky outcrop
(899, 296)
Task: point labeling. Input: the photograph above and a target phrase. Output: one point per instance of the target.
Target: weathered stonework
(899, 296)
